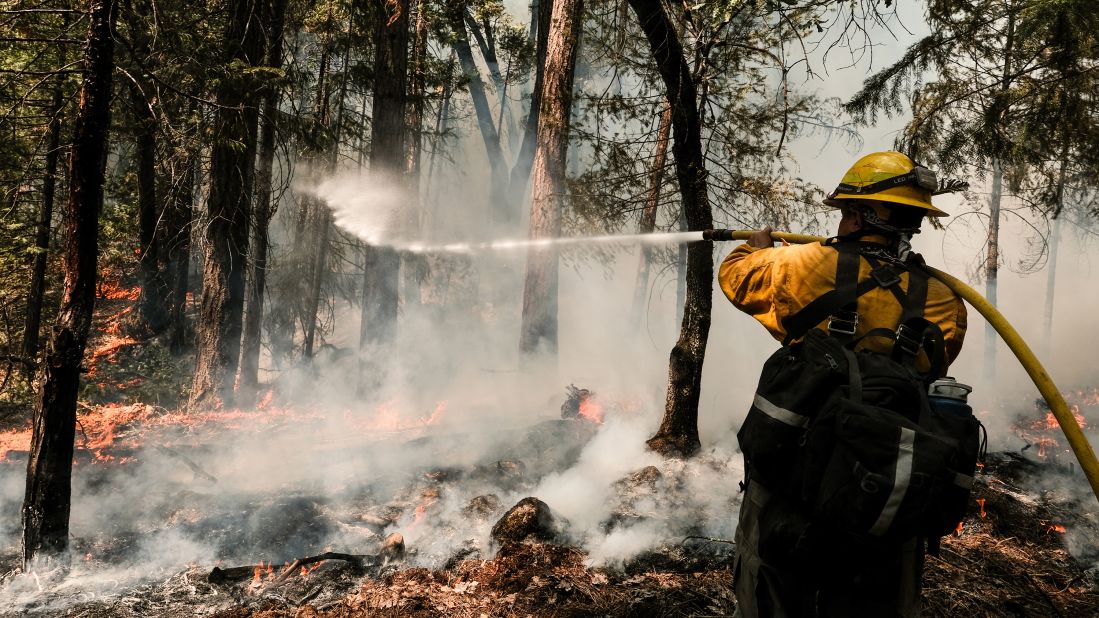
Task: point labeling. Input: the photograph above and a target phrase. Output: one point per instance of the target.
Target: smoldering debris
(576, 398)
(530, 518)
(606, 527)
(278, 507)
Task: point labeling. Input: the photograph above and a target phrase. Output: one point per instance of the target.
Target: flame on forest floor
(112, 426)
(591, 410)
(1053, 527)
(1043, 432)
(388, 418)
(111, 288)
(981, 501)
(106, 350)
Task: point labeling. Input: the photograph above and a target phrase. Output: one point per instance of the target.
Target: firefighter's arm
(954, 334)
(747, 279)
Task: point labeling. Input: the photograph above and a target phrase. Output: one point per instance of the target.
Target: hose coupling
(717, 235)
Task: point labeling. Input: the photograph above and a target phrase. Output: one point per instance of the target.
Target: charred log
(219, 575)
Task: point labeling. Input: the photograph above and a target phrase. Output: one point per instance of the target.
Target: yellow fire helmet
(888, 176)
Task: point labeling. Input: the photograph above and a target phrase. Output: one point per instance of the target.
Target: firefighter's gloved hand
(762, 239)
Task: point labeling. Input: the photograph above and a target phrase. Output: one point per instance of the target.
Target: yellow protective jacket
(771, 284)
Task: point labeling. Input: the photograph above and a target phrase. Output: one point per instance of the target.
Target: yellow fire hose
(1057, 404)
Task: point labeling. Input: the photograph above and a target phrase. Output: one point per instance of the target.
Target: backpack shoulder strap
(916, 295)
(912, 300)
(846, 292)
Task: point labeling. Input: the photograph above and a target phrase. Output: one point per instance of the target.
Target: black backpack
(849, 438)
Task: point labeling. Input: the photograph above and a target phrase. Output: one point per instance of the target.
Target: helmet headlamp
(920, 176)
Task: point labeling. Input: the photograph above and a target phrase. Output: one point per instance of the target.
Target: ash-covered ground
(163, 497)
(625, 532)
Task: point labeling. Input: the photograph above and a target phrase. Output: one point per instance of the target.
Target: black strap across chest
(884, 274)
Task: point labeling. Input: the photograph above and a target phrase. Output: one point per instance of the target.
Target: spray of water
(370, 207)
(502, 245)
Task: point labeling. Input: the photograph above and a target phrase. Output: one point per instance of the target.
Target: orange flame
(418, 516)
(266, 400)
(1043, 443)
(958, 530)
(591, 410)
(112, 290)
(1058, 528)
(103, 427)
(981, 501)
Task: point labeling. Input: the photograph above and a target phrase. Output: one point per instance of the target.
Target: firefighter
(883, 199)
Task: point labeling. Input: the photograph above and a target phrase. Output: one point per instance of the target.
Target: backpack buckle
(843, 323)
(885, 276)
(908, 340)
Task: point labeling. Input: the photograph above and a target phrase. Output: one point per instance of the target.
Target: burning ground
(297, 506)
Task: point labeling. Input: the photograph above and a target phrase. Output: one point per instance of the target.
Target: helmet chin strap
(871, 218)
(872, 223)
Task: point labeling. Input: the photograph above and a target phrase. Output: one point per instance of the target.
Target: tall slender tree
(378, 326)
(678, 432)
(227, 217)
(49, 469)
(151, 316)
(539, 319)
(33, 322)
(264, 206)
(647, 224)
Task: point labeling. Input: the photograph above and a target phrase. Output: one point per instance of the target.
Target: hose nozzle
(717, 235)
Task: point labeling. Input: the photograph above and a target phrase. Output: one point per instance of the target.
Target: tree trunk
(520, 172)
(317, 269)
(322, 218)
(1051, 282)
(151, 316)
(1054, 242)
(442, 122)
(378, 327)
(681, 272)
(33, 324)
(992, 258)
(539, 323)
(49, 468)
(262, 212)
(678, 433)
(648, 215)
(503, 214)
(232, 163)
(179, 256)
(252, 335)
(411, 276)
(992, 265)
